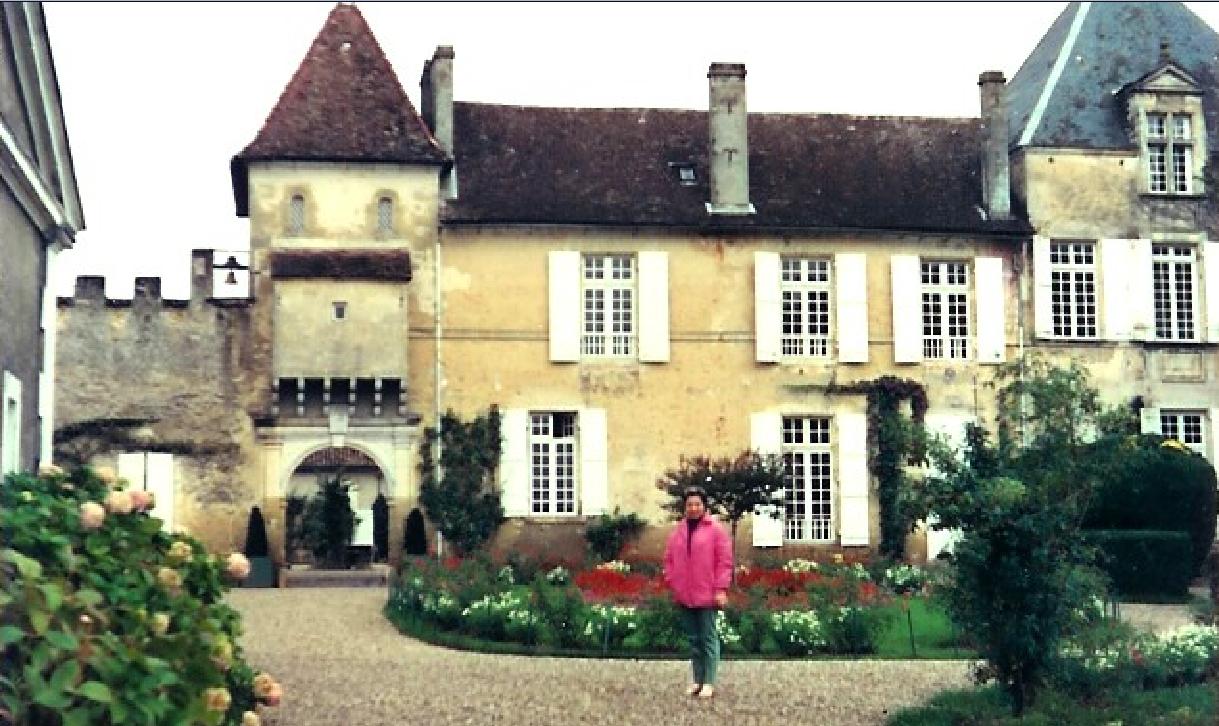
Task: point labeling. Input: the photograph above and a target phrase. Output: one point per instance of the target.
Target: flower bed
(797, 610)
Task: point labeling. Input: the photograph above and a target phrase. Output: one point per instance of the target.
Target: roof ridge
(787, 114)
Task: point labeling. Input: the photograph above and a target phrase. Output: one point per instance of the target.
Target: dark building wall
(21, 285)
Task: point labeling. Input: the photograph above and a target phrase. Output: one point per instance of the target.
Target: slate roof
(1117, 43)
(344, 103)
(613, 167)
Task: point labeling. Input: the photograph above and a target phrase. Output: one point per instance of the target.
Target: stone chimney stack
(436, 87)
(996, 172)
(729, 138)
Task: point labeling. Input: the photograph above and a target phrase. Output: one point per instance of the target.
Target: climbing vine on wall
(458, 492)
(894, 443)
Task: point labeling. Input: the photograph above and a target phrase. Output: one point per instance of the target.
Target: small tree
(329, 523)
(256, 535)
(459, 495)
(735, 486)
(380, 526)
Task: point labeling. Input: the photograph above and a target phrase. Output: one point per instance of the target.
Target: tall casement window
(808, 478)
(805, 293)
(296, 214)
(945, 298)
(1073, 288)
(1173, 284)
(609, 305)
(385, 215)
(1188, 427)
(1170, 152)
(552, 462)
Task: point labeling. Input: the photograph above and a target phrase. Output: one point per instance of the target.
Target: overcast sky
(159, 96)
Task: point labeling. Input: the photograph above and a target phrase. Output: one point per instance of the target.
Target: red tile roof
(338, 456)
(344, 103)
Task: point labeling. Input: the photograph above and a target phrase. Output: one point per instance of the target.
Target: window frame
(822, 481)
(1079, 273)
(295, 223)
(609, 337)
(1163, 148)
(385, 215)
(1178, 417)
(805, 345)
(1173, 292)
(941, 290)
(550, 456)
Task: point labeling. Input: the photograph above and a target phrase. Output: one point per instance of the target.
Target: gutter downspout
(437, 334)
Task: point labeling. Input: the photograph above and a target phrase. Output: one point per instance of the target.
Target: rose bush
(106, 618)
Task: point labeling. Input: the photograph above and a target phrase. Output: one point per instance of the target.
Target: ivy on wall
(458, 491)
(894, 443)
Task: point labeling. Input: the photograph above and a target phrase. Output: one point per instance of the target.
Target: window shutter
(594, 461)
(907, 309)
(1117, 310)
(1212, 421)
(851, 296)
(11, 424)
(1149, 420)
(131, 467)
(1043, 306)
(990, 289)
(653, 309)
(1210, 289)
(765, 437)
(766, 308)
(160, 482)
(514, 462)
(565, 306)
(1141, 293)
(950, 426)
(853, 478)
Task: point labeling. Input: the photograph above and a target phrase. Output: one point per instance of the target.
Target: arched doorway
(365, 482)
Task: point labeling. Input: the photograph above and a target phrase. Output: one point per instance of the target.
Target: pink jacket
(697, 567)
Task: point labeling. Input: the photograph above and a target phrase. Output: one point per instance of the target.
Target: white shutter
(1210, 289)
(131, 467)
(1211, 423)
(1117, 321)
(1141, 292)
(907, 309)
(653, 308)
(1149, 420)
(765, 437)
(851, 297)
(853, 478)
(565, 307)
(1043, 307)
(514, 462)
(160, 481)
(766, 309)
(594, 461)
(990, 289)
(950, 426)
(11, 425)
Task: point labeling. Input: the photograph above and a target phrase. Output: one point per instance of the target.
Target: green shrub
(853, 630)
(609, 533)
(256, 535)
(380, 527)
(104, 617)
(1153, 483)
(328, 523)
(459, 492)
(1145, 562)
(659, 627)
(561, 610)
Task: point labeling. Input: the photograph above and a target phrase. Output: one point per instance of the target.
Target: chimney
(996, 174)
(436, 87)
(200, 275)
(729, 136)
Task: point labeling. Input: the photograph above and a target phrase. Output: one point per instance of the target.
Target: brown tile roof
(387, 265)
(338, 456)
(612, 167)
(344, 103)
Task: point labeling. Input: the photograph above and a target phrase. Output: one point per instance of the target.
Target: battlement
(206, 279)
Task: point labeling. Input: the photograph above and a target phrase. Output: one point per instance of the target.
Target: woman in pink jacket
(698, 570)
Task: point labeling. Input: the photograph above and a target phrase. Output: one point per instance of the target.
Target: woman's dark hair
(695, 492)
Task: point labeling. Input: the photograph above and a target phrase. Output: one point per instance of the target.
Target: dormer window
(686, 176)
(1170, 153)
(296, 214)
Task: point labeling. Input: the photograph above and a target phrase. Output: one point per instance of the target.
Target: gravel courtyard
(342, 663)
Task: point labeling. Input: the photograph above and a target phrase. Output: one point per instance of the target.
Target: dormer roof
(344, 103)
(1168, 78)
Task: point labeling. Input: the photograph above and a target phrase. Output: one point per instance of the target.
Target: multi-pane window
(552, 463)
(808, 478)
(1188, 427)
(385, 215)
(609, 305)
(1170, 152)
(1073, 288)
(805, 292)
(1173, 285)
(296, 214)
(945, 298)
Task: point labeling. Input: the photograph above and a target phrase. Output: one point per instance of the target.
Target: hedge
(1144, 561)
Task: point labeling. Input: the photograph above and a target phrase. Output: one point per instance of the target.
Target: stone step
(377, 576)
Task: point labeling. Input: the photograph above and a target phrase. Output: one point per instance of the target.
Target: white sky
(159, 96)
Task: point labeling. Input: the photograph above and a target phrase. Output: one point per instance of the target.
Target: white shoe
(693, 689)
(708, 691)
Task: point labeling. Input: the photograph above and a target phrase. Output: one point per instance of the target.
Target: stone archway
(367, 481)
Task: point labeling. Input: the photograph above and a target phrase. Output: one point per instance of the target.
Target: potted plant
(262, 567)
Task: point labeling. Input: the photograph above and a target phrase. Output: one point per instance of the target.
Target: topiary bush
(106, 618)
(380, 527)
(256, 535)
(1155, 483)
(1145, 562)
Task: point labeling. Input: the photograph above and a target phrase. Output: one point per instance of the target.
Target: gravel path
(342, 663)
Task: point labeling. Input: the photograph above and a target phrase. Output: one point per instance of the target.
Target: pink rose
(92, 515)
(169, 578)
(141, 500)
(238, 567)
(119, 502)
(106, 474)
(262, 685)
(217, 699)
(275, 695)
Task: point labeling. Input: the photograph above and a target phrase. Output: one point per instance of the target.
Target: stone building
(628, 286)
(40, 215)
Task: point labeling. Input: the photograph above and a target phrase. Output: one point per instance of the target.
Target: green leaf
(77, 717)
(39, 620)
(53, 594)
(62, 640)
(51, 698)
(118, 712)
(5, 599)
(29, 568)
(94, 691)
(88, 597)
(65, 675)
(10, 634)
